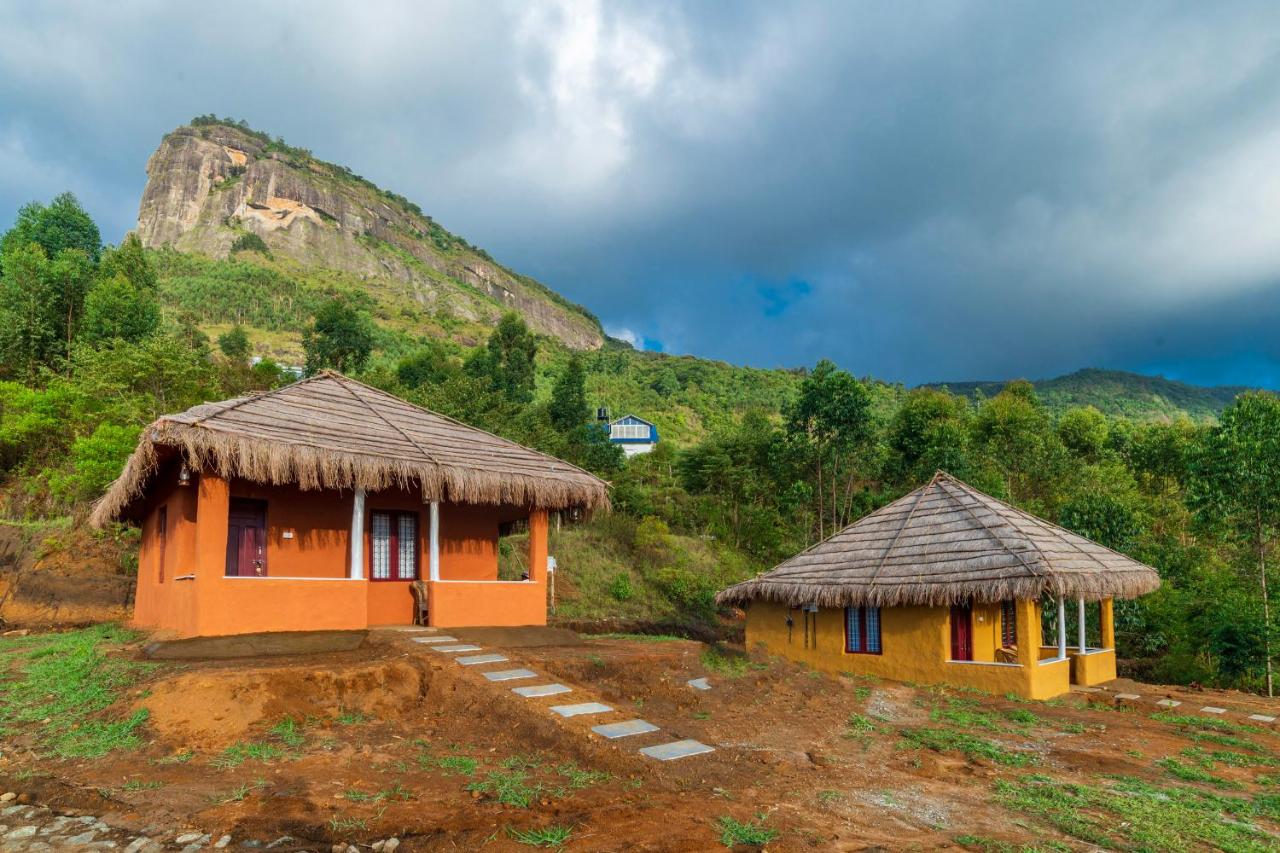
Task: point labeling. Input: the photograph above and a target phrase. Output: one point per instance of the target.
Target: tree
(507, 361)
(431, 365)
(568, 409)
(929, 432)
(1084, 431)
(71, 276)
(1014, 431)
(29, 317)
(340, 338)
(234, 344)
(129, 259)
(832, 415)
(64, 224)
(1236, 484)
(117, 309)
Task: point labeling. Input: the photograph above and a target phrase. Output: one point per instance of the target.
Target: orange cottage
(318, 506)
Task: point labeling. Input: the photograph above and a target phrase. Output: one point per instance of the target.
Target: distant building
(636, 435)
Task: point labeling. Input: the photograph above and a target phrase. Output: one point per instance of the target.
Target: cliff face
(209, 185)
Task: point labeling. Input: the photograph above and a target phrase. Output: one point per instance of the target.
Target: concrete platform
(265, 644)
(676, 749)
(626, 729)
(472, 660)
(510, 674)
(580, 709)
(536, 690)
(460, 647)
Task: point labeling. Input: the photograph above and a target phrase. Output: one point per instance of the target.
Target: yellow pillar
(1107, 622)
(1027, 619)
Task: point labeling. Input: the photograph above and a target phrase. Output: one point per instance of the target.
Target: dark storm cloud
(931, 191)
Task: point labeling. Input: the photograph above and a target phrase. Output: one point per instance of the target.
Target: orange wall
(307, 586)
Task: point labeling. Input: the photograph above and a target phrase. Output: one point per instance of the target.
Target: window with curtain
(394, 552)
(862, 630)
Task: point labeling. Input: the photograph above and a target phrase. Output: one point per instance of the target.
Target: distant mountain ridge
(1117, 392)
(216, 186)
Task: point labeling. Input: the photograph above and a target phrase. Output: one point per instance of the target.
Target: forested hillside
(1115, 392)
(755, 465)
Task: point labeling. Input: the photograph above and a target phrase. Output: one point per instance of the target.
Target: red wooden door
(247, 538)
(961, 632)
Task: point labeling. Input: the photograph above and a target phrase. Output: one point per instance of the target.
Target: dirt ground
(394, 740)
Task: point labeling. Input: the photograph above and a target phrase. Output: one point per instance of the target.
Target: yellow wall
(917, 644)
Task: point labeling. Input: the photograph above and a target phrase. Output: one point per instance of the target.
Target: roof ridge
(987, 529)
(340, 380)
(905, 521)
(464, 425)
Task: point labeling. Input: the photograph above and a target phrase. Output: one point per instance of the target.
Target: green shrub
(250, 243)
(653, 540)
(687, 590)
(620, 587)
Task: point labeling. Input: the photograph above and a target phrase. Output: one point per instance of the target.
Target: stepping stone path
(579, 710)
(510, 674)
(1262, 718)
(472, 660)
(1127, 696)
(676, 749)
(627, 729)
(541, 690)
(1168, 703)
(1209, 709)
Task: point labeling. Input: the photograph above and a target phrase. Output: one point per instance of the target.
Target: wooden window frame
(863, 633)
(394, 574)
(162, 537)
(1008, 624)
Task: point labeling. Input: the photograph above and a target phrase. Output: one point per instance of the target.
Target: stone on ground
(510, 674)
(580, 709)
(461, 647)
(699, 684)
(472, 660)
(438, 638)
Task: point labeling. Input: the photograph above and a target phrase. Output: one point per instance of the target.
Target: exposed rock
(207, 185)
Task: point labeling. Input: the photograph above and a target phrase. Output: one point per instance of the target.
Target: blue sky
(920, 191)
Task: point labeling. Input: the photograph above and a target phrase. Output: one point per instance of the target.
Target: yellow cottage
(947, 585)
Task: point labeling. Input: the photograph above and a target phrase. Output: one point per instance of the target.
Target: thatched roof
(946, 543)
(331, 432)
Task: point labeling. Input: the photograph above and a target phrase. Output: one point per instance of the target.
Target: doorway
(247, 538)
(962, 632)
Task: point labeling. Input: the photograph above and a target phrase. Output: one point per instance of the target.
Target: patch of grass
(1132, 814)
(352, 717)
(289, 732)
(971, 746)
(1186, 721)
(395, 792)
(578, 777)
(511, 788)
(992, 845)
(964, 713)
(177, 758)
(1226, 740)
(59, 683)
(1191, 773)
(239, 793)
(725, 663)
(141, 785)
(239, 753)
(859, 725)
(546, 836)
(734, 832)
(702, 715)
(641, 638)
(862, 693)
(460, 765)
(828, 797)
(348, 824)
(1023, 717)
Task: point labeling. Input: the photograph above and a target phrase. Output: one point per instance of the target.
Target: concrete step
(536, 690)
(676, 749)
(580, 709)
(472, 660)
(435, 638)
(460, 647)
(624, 729)
(510, 674)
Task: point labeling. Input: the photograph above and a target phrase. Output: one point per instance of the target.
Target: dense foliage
(754, 464)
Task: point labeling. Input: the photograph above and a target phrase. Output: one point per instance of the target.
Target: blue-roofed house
(635, 435)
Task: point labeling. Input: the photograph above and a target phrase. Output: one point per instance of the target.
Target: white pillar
(433, 553)
(357, 535)
(1084, 647)
(1062, 627)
